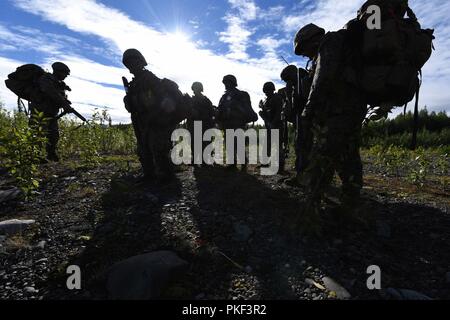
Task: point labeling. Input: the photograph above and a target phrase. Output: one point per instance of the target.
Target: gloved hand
(67, 107)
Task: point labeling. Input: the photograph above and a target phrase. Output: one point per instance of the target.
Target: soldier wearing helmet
(235, 110)
(271, 109)
(143, 100)
(298, 83)
(53, 97)
(336, 110)
(202, 110)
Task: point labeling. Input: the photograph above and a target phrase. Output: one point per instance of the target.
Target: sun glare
(180, 37)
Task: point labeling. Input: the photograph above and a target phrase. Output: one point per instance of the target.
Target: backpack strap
(411, 14)
(416, 115)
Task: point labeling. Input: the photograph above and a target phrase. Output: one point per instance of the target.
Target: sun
(180, 37)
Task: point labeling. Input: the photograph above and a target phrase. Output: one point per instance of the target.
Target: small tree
(22, 149)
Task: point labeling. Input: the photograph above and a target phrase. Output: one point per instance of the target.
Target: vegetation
(22, 148)
(385, 143)
(434, 131)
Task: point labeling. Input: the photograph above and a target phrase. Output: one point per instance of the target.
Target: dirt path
(232, 228)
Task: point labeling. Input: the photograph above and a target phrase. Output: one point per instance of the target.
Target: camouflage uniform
(152, 133)
(202, 110)
(231, 114)
(336, 109)
(271, 114)
(298, 83)
(53, 98)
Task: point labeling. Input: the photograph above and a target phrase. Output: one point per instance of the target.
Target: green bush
(88, 142)
(22, 149)
(434, 131)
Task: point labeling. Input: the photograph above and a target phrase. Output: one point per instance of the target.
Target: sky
(186, 41)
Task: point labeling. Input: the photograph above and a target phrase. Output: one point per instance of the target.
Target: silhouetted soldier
(271, 114)
(336, 108)
(202, 110)
(298, 83)
(52, 98)
(235, 111)
(143, 100)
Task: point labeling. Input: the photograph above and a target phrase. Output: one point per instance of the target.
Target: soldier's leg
(234, 152)
(143, 134)
(138, 135)
(305, 145)
(269, 140)
(322, 162)
(161, 146)
(246, 151)
(52, 139)
(351, 168)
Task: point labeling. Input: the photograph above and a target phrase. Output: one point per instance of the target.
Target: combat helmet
(134, 55)
(61, 68)
(197, 86)
(269, 87)
(230, 79)
(305, 34)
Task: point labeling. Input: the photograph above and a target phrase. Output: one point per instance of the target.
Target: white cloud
(7, 66)
(238, 33)
(248, 9)
(329, 14)
(169, 55)
(334, 14)
(176, 57)
(86, 96)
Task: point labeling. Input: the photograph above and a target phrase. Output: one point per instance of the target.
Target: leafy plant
(22, 149)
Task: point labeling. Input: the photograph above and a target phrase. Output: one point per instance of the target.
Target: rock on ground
(333, 286)
(8, 195)
(12, 227)
(144, 277)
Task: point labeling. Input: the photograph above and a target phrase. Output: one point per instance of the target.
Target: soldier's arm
(246, 98)
(209, 107)
(47, 87)
(326, 73)
(277, 107)
(154, 83)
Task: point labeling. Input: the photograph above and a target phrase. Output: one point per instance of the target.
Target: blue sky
(187, 41)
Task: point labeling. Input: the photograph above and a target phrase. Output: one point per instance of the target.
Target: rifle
(284, 130)
(21, 107)
(126, 84)
(73, 111)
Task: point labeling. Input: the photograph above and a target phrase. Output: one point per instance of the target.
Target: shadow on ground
(234, 230)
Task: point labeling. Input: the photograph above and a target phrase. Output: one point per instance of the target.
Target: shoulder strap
(411, 14)
(416, 116)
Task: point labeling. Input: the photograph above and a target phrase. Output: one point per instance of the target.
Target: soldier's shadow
(242, 218)
(130, 226)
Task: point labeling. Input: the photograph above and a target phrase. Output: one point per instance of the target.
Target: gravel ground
(233, 228)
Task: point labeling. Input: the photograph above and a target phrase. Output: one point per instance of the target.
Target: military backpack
(392, 56)
(24, 82)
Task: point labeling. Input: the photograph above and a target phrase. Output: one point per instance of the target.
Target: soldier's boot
(51, 153)
(353, 209)
(165, 172)
(148, 170)
(293, 181)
